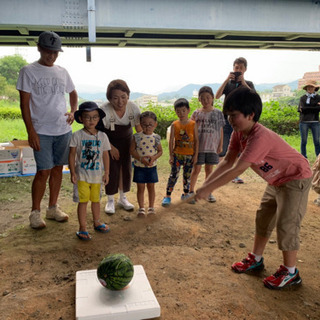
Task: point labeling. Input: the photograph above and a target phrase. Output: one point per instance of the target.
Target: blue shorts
(54, 151)
(207, 158)
(145, 175)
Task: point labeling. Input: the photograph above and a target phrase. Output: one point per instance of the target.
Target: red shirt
(271, 157)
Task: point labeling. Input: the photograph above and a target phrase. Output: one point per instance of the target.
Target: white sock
(122, 194)
(257, 257)
(291, 269)
(111, 198)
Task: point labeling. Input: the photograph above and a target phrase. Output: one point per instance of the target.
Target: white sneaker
(36, 222)
(55, 213)
(212, 198)
(125, 204)
(109, 209)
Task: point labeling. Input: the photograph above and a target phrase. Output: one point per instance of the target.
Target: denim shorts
(207, 158)
(54, 151)
(145, 175)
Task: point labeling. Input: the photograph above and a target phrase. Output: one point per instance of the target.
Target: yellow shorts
(89, 191)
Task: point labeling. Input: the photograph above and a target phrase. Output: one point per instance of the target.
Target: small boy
(146, 149)
(285, 199)
(89, 166)
(183, 148)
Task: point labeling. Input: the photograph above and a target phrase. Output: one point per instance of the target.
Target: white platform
(94, 302)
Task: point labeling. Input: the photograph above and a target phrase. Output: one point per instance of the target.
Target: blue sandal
(102, 228)
(81, 234)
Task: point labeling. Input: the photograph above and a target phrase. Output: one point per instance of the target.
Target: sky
(153, 71)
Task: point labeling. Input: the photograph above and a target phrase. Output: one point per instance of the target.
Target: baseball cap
(50, 40)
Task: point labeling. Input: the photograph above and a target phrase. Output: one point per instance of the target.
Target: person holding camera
(234, 80)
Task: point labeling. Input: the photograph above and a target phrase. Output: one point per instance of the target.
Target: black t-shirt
(230, 86)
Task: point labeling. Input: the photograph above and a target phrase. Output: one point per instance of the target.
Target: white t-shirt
(132, 115)
(89, 162)
(47, 86)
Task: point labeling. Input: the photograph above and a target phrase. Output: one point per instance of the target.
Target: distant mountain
(101, 96)
(184, 92)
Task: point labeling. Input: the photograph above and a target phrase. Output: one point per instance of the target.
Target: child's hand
(105, 178)
(219, 150)
(151, 160)
(194, 159)
(73, 178)
(145, 160)
(171, 160)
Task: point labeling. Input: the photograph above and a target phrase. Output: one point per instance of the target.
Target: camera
(236, 75)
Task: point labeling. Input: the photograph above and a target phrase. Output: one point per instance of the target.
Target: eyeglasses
(88, 118)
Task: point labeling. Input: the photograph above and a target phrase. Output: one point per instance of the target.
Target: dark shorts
(207, 158)
(145, 175)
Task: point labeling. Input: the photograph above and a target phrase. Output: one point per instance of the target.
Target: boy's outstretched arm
(226, 171)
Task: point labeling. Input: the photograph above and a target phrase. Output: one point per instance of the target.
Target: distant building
(266, 96)
(309, 76)
(145, 100)
(282, 90)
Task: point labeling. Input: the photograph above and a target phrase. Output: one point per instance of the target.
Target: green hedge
(10, 113)
(283, 119)
(277, 116)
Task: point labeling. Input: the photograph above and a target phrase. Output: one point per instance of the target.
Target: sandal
(151, 211)
(83, 235)
(103, 228)
(141, 213)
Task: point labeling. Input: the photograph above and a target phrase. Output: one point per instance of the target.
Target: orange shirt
(184, 137)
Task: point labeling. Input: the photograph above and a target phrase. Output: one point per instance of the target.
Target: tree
(11, 93)
(10, 67)
(3, 84)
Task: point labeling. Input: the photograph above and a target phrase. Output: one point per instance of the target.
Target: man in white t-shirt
(42, 87)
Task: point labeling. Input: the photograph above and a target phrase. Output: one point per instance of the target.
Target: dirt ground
(186, 253)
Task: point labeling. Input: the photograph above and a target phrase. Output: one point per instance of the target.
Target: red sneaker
(248, 264)
(282, 279)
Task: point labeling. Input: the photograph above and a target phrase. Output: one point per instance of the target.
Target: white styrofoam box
(10, 153)
(6, 144)
(27, 152)
(29, 166)
(94, 302)
(10, 168)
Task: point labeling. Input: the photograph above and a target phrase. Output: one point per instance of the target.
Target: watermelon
(115, 271)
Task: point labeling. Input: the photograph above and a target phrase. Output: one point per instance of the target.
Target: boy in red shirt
(288, 174)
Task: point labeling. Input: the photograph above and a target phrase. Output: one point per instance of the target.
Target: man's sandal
(83, 235)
